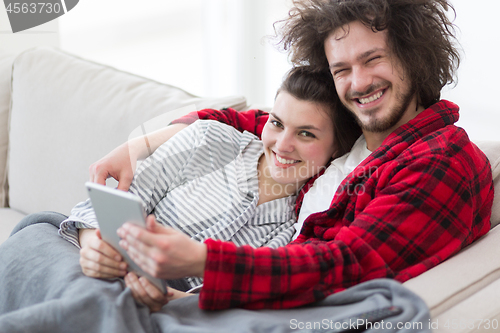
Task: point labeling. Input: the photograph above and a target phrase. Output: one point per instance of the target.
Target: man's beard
(397, 112)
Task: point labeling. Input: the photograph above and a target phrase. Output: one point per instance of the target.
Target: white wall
(209, 47)
(45, 34)
(479, 73)
(239, 57)
(217, 47)
(158, 39)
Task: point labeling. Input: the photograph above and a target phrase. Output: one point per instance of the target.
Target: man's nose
(361, 80)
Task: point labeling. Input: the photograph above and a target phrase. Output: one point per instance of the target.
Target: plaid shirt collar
(435, 117)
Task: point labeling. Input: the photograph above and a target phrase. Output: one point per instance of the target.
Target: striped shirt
(204, 182)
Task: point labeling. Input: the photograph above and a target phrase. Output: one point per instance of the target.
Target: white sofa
(60, 113)
(66, 113)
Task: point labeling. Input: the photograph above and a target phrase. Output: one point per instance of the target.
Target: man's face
(369, 80)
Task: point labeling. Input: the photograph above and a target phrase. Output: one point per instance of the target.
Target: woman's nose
(284, 142)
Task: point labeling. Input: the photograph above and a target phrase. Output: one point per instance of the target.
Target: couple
(423, 193)
(211, 181)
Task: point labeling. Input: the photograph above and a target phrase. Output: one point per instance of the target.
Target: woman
(210, 181)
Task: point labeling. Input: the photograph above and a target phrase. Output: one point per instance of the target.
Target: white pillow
(67, 113)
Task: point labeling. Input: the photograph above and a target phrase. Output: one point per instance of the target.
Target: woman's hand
(146, 293)
(163, 252)
(98, 259)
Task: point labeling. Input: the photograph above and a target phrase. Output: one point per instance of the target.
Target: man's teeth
(371, 98)
(284, 161)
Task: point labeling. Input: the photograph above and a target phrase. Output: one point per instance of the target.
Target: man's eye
(374, 58)
(307, 134)
(277, 123)
(337, 72)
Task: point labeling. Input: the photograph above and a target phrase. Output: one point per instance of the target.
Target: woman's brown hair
(306, 84)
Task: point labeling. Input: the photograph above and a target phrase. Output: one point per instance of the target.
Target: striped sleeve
(194, 152)
(82, 217)
(180, 158)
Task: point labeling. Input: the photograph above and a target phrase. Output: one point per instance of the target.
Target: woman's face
(298, 139)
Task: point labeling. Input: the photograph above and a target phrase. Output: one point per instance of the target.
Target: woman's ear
(335, 151)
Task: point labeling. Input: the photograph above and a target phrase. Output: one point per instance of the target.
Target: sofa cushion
(492, 150)
(68, 112)
(6, 60)
(478, 313)
(459, 277)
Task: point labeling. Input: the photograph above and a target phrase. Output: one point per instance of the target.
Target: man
(423, 193)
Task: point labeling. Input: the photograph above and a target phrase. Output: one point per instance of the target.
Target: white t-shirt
(320, 195)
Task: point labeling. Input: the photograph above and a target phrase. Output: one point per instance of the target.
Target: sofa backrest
(492, 150)
(6, 60)
(68, 112)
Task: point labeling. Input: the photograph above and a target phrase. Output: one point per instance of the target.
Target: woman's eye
(374, 58)
(307, 134)
(277, 123)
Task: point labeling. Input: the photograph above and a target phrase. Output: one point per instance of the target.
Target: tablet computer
(113, 208)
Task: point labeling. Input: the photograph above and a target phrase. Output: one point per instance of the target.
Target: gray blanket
(42, 289)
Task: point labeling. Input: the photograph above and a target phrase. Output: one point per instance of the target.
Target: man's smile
(369, 99)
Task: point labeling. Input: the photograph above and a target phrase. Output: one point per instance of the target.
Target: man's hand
(98, 259)
(163, 252)
(119, 164)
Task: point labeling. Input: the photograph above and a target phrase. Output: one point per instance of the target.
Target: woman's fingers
(98, 259)
(135, 286)
(146, 293)
(101, 259)
(152, 292)
(104, 268)
(104, 248)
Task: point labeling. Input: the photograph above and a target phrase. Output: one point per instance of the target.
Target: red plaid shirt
(415, 201)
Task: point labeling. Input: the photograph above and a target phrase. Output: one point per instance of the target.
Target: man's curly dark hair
(419, 34)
